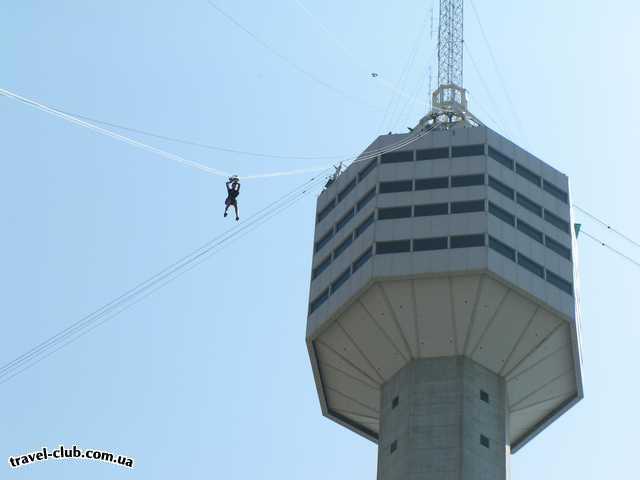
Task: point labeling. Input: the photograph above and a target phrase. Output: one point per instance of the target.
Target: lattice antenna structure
(449, 100)
(450, 38)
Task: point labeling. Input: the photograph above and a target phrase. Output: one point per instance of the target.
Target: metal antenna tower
(449, 100)
(450, 38)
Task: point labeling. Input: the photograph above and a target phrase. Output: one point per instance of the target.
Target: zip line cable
(287, 60)
(144, 146)
(498, 71)
(28, 363)
(167, 275)
(199, 144)
(160, 279)
(617, 252)
(184, 161)
(179, 159)
(5, 378)
(109, 133)
(34, 360)
(605, 224)
(184, 259)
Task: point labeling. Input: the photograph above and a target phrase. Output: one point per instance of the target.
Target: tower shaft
(443, 418)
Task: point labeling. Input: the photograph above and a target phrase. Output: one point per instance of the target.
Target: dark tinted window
(346, 190)
(502, 248)
(524, 172)
(555, 191)
(362, 259)
(431, 209)
(396, 157)
(397, 186)
(322, 266)
(432, 153)
(366, 198)
(467, 206)
(530, 205)
(559, 282)
(394, 446)
(323, 240)
(467, 150)
(343, 246)
(484, 441)
(501, 187)
(322, 214)
(396, 246)
(530, 231)
(502, 214)
(432, 183)
(395, 402)
(368, 169)
(467, 180)
(344, 276)
(556, 221)
(464, 241)
(530, 265)
(364, 225)
(484, 396)
(500, 158)
(394, 212)
(345, 219)
(425, 244)
(557, 247)
(319, 300)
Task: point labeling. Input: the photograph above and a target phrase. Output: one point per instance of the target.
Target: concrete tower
(443, 318)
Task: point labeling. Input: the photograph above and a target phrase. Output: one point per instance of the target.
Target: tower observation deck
(443, 318)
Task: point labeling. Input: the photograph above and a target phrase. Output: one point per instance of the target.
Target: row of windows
(431, 183)
(530, 231)
(432, 153)
(528, 175)
(346, 190)
(346, 218)
(431, 209)
(429, 244)
(340, 280)
(530, 265)
(342, 246)
(530, 205)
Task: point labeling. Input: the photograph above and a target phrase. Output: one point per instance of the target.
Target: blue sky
(210, 376)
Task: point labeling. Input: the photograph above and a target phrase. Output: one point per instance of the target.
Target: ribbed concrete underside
(392, 323)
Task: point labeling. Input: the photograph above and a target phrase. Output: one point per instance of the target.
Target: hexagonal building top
(452, 243)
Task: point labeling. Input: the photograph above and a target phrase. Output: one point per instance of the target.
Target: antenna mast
(449, 100)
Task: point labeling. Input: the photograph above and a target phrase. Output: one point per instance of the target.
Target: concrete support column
(443, 419)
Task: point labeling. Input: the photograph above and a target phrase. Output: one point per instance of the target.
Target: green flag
(576, 227)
